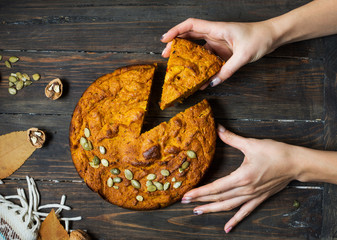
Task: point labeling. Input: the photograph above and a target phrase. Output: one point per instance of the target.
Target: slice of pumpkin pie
(189, 67)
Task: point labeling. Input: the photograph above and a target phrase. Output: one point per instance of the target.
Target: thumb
(232, 139)
(228, 69)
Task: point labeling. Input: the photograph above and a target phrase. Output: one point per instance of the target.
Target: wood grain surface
(289, 95)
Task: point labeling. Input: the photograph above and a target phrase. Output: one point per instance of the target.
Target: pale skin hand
(267, 168)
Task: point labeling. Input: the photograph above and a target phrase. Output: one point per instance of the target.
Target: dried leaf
(51, 228)
(14, 151)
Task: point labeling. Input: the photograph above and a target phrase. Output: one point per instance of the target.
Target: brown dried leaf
(51, 228)
(14, 151)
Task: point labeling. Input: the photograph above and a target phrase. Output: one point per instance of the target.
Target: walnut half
(36, 137)
(54, 89)
(79, 235)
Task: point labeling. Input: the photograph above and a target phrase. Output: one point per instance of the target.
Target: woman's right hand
(237, 43)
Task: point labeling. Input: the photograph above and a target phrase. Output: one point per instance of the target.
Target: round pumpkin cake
(133, 170)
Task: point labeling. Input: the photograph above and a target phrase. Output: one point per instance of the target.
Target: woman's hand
(237, 43)
(267, 168)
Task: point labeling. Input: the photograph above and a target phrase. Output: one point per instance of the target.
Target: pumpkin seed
(191, 154)
(151, 188)
(115, 187)
(102, 149)
(27, 83)
(135, 184)
(11, 84)
(0, 57)
(139, 198)
(173, 179)
(185, 165)
(13, 59)
(36, 77)
(12, 79)
(166, 186)
(8, 64)
(151, 176)
(93, 165)
(104, 162)
(110, 182)
(25, 76)
(115, 171)
(19, 75)
(177, 184)
(117, 179)
(83, 141)
(86, 132)
(180, 170)
(148, 183)
(96, 160)
(158, 185)
(19, 85)
(128, 174)
(165, 172)
(87, 146)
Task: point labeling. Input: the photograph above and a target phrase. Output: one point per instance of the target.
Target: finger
(232, 139)
(191, 24)
(203, 87)
(228, 69)
(232, 193)
(243, 212)
(167, 50)
(221, 206)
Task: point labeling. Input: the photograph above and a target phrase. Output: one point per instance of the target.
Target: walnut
(36, 137)
(152, 153)
(79, 235)
(54, 89)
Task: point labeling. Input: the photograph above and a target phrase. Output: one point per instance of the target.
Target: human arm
(242, 43)
(267, 168)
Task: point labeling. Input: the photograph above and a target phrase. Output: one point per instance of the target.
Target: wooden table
(289, 95)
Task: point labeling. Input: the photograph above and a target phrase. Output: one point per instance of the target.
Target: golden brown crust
(113, 109)
(189, 67)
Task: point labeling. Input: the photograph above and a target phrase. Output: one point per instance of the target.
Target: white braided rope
(26, 217)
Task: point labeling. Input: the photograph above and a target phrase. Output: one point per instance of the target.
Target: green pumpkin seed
(139, 198)
(83, 141)
(115, 187)
(19, 85)
(173, 179)
(11, 84)
(104, 162)
(166, 186)
(18, 75)
(191, 154)
(128, 174)
(149, 183)
(8, 64)
(93, 165)
(36, 77)
(158, 185)
(165, 172)
(177, 184)
(117, 179)
(185, 165)
(12, 91)
(96, 161)
(151, 188)
(13, 59)
(180, 170)
(115, 171)
(0, 57)
(151, 176)
(102, 149)
(12, 79)
(110, 182)
(25, 76)
(135, 184)
(86, 132)
(27, 83)
(87, 146)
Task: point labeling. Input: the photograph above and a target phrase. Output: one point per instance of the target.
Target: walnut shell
(54, 89)
(79, 235)
(36, 137)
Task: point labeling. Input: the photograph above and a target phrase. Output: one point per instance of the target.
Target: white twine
(29, 212)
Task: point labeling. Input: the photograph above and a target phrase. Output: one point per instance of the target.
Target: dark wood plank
(330, 136)
(274, 219)
(288, 89)
(106, 25)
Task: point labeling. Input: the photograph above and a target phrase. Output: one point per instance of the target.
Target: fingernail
(163, 52)
(197, 212)
(228, 229)
(186, 200)
(215, 81)
(221, 128)
(162, 36)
